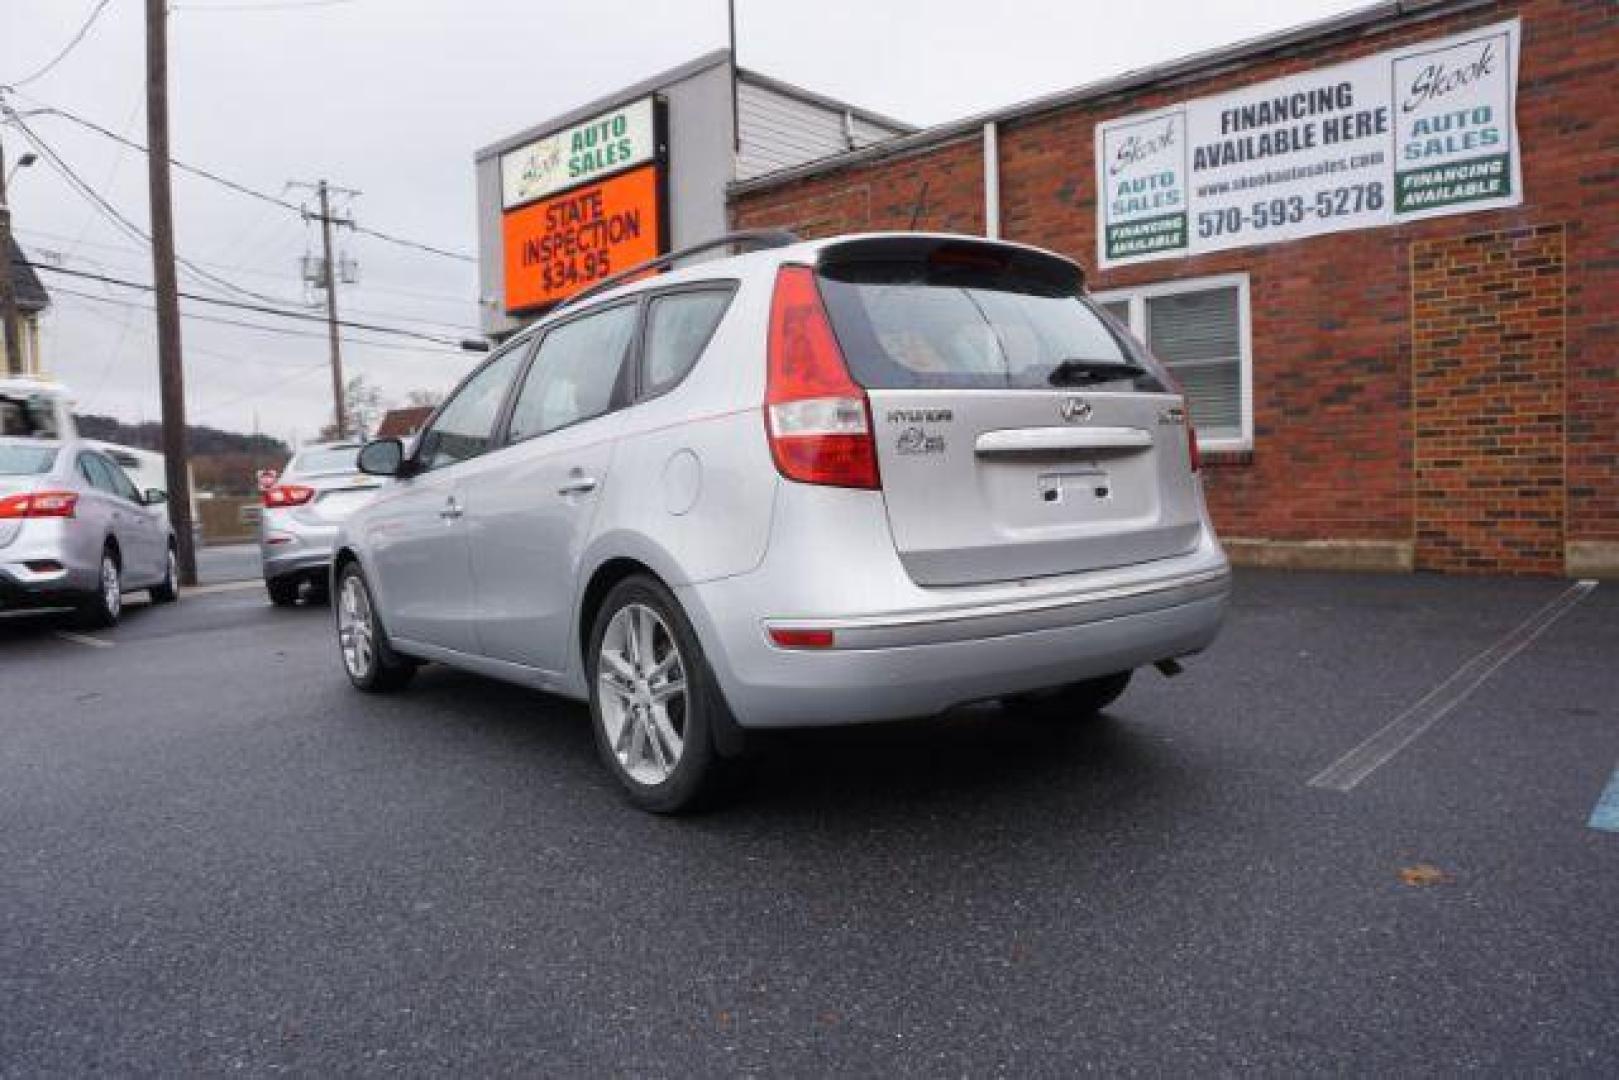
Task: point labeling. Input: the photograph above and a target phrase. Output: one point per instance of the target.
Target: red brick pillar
(1487, 363)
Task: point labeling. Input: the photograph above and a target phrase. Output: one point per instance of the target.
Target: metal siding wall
(491, 265)
(779, 131)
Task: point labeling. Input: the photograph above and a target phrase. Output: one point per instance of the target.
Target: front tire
(654, 703)
(362, 643)
(101, 609)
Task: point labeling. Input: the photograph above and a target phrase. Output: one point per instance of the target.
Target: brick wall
(1336, 427)
(1488, 398)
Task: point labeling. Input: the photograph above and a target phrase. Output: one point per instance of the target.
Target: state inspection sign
(560, 245)
(1420, 131)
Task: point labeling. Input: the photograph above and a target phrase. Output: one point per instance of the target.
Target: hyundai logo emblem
(1075, 410)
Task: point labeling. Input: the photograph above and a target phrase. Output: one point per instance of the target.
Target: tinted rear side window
(325, 459)
(678, 326)
(916, 325)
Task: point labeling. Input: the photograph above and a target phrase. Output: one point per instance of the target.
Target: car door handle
(451, 511)
(578, 485)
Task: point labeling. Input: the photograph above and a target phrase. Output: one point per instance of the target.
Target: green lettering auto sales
(1147, 207)
(1427, 173)
(599, 147)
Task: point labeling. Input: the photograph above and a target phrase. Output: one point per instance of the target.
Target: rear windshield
(28, 416)
(16, 460)
(326, 459)
(917, 325)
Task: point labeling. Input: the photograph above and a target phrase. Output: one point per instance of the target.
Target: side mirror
(383, 457)
(155, 497)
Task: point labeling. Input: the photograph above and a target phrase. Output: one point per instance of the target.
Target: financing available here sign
(1420, 131)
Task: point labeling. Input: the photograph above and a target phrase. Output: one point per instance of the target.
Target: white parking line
(83, 639)
(1403, 730)
(224, 586)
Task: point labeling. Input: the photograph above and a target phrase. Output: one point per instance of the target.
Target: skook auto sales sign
(602, 145)
(581, 204)
(1421, 131)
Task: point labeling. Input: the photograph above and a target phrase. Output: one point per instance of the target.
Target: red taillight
(1191, 445)
(288, 495)
(789, 638)
(39, 504)
(816, 416)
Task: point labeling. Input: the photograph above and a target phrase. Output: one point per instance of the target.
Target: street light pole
(171, 371)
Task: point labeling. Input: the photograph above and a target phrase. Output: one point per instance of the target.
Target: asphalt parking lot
(217, 857)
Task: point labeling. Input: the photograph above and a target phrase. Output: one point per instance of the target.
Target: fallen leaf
(1423, 874)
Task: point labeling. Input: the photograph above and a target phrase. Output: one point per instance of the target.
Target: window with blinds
(1197, 329)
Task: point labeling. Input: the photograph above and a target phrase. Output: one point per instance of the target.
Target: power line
(281, 330)
(86, 191)
(240, 188)
(69, 47)
(305, 316)
(259, 271)
(272, 5)
(402, 242)
(48, 257)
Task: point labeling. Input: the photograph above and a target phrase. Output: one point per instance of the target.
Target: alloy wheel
(112, 589)
(643, 698)
(356, 633)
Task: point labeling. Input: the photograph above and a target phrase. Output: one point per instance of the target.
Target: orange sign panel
(557, 246)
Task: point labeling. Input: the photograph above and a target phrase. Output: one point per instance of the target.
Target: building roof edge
(1304, 37)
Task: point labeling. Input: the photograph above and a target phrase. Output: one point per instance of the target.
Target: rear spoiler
(1048, 270)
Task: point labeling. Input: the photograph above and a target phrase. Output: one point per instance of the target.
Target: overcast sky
(392, 97)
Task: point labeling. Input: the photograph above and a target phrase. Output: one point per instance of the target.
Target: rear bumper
(22, 586)
(924, 662)
(294, 548)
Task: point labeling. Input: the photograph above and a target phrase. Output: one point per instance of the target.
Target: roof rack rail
(750, 239)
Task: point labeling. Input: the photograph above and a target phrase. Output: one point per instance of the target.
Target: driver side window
(465, 427)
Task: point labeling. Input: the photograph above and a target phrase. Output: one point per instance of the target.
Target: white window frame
(1137, 295)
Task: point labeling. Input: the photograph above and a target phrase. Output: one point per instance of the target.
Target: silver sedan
(75, 531)
(320, 487)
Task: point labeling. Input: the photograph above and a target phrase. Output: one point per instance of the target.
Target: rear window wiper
(1076, 372)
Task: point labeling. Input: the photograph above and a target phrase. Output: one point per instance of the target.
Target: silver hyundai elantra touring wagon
(825, 482)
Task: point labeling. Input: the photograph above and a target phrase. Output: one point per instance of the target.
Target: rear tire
(1078, 701)
(167, 591)
(362, 643)
(654, 703)
(283, 591)
(101, 609)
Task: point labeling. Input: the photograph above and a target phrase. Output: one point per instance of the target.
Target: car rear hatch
(1019, 433)
(23, 465)
(336, 496)
(10, 527)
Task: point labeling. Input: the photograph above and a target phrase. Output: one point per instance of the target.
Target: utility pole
(331, 312)
(328, 279)
(171, 371)
(8, 288)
